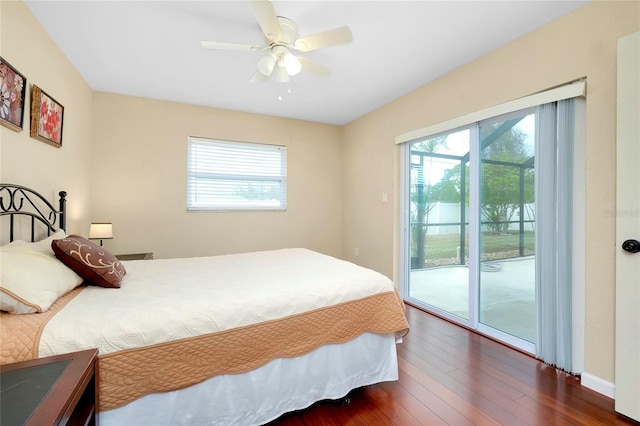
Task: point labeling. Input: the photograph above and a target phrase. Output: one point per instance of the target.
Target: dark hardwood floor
(452, 376)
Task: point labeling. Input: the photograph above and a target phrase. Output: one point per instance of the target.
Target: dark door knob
(631, 246)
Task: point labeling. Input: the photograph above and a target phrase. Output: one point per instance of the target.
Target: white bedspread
(169, 299)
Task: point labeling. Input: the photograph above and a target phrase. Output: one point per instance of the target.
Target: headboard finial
(62, 206)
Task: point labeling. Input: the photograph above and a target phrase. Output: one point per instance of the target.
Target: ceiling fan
(281, 36)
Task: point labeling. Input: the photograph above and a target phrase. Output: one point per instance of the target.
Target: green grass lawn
(442, 249)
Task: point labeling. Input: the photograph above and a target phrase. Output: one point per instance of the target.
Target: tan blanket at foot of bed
(131, 374)
(20, 334)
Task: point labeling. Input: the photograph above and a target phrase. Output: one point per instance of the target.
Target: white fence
(450, 213)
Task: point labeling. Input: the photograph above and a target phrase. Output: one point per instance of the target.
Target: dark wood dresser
(55, 390)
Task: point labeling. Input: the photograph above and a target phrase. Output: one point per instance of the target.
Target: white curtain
(554, 201)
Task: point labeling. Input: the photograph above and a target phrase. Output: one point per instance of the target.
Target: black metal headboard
(20, 201)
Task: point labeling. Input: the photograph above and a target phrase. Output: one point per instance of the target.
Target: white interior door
(627, 393)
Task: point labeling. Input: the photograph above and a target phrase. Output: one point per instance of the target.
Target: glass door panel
(507, 234)
(439, 228)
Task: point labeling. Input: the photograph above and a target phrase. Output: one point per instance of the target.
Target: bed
(233, 339)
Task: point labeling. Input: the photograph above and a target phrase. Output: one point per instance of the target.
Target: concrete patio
(507, 293)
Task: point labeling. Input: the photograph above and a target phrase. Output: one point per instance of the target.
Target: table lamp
(101, 231)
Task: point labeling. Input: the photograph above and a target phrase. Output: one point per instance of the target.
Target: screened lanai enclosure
(440, 197)
(440, 176)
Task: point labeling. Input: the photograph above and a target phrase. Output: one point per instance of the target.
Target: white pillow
(30, 280)
(42, 246)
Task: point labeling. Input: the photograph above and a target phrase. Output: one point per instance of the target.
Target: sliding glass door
(507, 226)
(471, 214)
(439, 231)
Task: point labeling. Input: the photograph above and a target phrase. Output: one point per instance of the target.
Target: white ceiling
(152, 49)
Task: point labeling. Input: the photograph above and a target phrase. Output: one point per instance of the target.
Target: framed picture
(46, 117)
(12, 91)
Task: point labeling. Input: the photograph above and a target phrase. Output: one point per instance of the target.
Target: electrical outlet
(356, 252)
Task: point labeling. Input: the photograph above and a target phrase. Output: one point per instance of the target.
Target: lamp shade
(266, 64)
(282, 76)
(292, 64)
(101, 231)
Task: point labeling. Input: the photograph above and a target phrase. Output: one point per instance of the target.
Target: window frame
(253, 151)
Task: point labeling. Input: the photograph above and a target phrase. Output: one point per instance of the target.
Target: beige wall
(27, 161)
(581, 44)
(140, 167)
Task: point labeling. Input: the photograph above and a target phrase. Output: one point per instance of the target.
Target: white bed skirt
(262, 395)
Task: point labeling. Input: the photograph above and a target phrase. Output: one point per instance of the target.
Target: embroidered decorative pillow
(93, 263)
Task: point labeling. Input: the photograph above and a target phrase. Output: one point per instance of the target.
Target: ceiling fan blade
(258, 77)
(312, 67)
(267, 19)
(230, 46)
(328, 38)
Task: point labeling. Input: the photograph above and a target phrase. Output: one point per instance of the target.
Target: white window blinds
(223, 175)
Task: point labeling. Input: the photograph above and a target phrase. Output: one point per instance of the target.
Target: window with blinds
(224, 175)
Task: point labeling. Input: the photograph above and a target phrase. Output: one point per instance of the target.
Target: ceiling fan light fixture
(292, 63)
(282, 76)
(281, 34)
(266, 64)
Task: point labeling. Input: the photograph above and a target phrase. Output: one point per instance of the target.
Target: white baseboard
(597, 384)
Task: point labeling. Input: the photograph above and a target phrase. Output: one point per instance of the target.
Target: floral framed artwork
(12, 91)
(46, 117)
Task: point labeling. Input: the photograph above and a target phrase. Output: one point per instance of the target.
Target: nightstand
(55, 390)
(135, 256)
